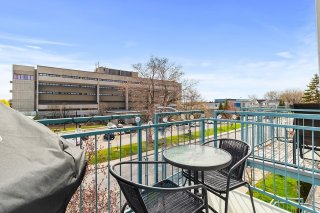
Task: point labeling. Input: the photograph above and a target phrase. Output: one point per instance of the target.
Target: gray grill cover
(39, 171)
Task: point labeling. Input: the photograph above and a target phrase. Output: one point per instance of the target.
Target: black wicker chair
(223, 181)
(165, 196)
(305, 137)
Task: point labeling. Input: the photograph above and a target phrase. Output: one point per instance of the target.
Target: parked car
(109, 136)
(194, 124)
(130, 131)
(209, 122)
(120, 126)
(111, 126)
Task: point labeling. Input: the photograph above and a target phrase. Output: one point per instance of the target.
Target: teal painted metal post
(96, 170)
(155, 144)
(259, 129)
(109, 182)
(215, 127)
(80, 203)
(241, 123)
(138, 121)
(203, 128)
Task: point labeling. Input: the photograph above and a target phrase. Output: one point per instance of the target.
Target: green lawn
(127, 150)
(267, 184)
(73, 127)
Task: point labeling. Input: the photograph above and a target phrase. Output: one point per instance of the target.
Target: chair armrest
(237, 165)
(210, 141)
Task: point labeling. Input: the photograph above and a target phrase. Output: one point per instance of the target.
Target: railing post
(138, 121)
(96, 170)
(81, 202)
(259, 130)
(203, 128)
(215, 127)
(241, 127)
(155, 144)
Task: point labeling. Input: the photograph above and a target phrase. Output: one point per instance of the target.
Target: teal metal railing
(285, 147)
(277, 139)
(111, 145)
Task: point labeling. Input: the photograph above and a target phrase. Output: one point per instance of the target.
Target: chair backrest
(305, 136)
(131, 193)
(238, 150)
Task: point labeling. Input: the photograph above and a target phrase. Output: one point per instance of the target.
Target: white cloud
(205, 64)
(33, 47)
(37, 41)
(10, 54)
(284, 54)
(293, 69)
(256, 77)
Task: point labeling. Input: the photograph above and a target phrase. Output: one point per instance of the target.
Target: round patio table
(197, 157)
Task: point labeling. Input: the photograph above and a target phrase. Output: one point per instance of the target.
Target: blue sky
(233, 48)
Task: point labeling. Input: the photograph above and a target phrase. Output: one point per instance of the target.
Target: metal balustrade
(273, 135)
(276, 139)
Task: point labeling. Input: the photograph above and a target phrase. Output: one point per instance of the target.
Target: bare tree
(89, 188)
(253, 99)
(190, 95)
(291, 96)
(159, 86)
(191, 98)
(103, 108)
(54, 111)
(272, 95)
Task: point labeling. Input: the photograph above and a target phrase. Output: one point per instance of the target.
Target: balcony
(283, 168)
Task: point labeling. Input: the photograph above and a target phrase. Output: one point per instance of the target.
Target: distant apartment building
(236, 104)
(268, 103)
(59, 92)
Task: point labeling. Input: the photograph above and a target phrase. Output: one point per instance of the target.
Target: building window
(23, 77)
(125, 73)
(67, 76)
(67, 85)
(65, 93)
(109, 80)
(108, 94)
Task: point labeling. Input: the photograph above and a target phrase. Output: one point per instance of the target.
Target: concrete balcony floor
(240, 203)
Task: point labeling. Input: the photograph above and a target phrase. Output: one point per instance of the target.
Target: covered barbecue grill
(39, 171)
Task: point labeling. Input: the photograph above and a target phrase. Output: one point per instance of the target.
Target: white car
(194, 124)
(210, 122)
(111, 126)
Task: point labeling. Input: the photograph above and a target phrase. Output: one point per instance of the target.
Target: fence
(285, 148)
(279, 141)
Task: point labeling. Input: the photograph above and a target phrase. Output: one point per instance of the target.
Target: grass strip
(125, 149)
(277, 182)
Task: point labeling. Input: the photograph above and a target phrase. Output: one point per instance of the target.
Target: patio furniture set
(203, 168)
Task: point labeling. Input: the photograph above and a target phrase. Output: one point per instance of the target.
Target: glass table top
(197, 157)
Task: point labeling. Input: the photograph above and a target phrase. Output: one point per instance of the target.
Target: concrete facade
(23, 88)
(58, 92)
